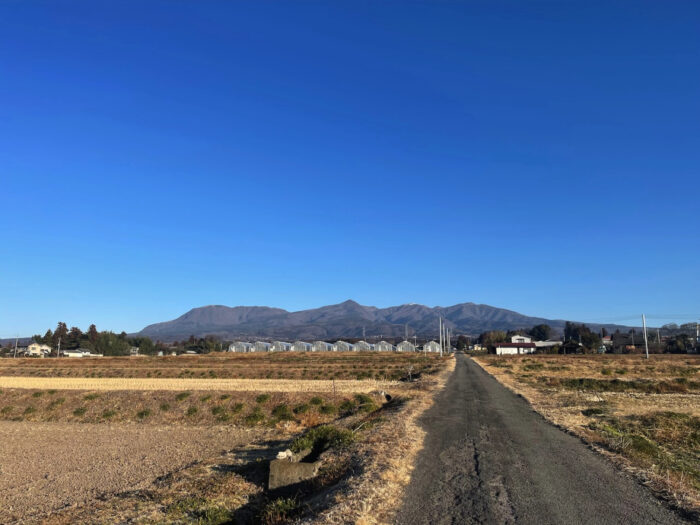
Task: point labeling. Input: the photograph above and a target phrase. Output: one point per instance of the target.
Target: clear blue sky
(157, 156)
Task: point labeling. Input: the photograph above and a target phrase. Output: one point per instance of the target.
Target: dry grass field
(189, 436)
(644, 414)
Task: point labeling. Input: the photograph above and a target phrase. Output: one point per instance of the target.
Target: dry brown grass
(233, 385)
(385, 460)
(643, 414)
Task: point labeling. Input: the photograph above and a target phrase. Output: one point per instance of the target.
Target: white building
(514, 348)
(342, 346)
(383, 346)
(405, 346)
(301, 346)
(38, 350)
(431, 346)
(262, 346)
(241, 347)
(520, 339)
(280, 346)
(362, 346)
(321, 346)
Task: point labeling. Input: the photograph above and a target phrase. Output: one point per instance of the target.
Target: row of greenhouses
(338, 346)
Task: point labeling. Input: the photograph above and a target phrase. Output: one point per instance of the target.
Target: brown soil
(48, 466)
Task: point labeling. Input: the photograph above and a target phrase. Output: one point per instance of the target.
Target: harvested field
(48, 466)
(233, 385)
(384, 366)
(644, 414)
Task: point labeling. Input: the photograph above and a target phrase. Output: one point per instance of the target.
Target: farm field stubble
(141, 437)
(643, 414)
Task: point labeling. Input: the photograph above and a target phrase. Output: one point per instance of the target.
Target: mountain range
(348, 319)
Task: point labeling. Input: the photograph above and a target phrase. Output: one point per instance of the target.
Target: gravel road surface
(489, 458)
(47, 466)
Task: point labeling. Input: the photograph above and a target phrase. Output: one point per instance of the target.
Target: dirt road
(47, 466)
(489, 458)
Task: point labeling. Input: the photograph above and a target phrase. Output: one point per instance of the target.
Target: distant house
(521, 339)
(37, 350)
(383, 346)
(79, 352)
(134, 350)
(321, 346)
(549, 343)
(405, 346)
(514, 348)
(431, 346)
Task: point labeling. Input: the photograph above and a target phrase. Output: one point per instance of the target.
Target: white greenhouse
(280, 346)
(301, 346)
(405, 346)
(362, 346)
(342, 346)
(383, 346)
(241, 347)
(261, 346)
(431, 346)
(321, 346)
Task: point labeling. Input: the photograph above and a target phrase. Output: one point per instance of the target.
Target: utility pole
(58, 350)
(440, 329)
(658, 336)
(646, 343)
(16, 346)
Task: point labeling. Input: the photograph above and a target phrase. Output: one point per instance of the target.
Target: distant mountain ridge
(347, 319)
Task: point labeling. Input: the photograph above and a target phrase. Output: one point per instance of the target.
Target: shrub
(56, 402)
(279, 511)
(262, 398)
(204, 399)
(191, 411)
(365, 403)
(143, 414)
(327, 409)
(224, 397)
(80, 411)
(29, 410)
(301, 409)
(255, 417)
(218, 410)
(606, 371)
(237, 408)
(322, 438)
(108, 413)
(90, 397)
(37, 394)
(282, 413)
(182, 396)
(316, 400)
(7, 409)
(595, 411)
(50, 392)
(347, 406)
(164, 407)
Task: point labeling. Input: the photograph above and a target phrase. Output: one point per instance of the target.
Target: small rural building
(431, 346)
(514, 348)
(383, 346)
(342, 346)
(362, 346)
(262, 346)
(134, 350)
(321, 346)
(405, 346)
(241, 347)
(79, 352)
(280, 346)
(549, 343)
(301, 346)
(37, 350)
(521, 339)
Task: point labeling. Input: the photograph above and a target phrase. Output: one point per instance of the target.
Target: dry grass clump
(644, 414)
